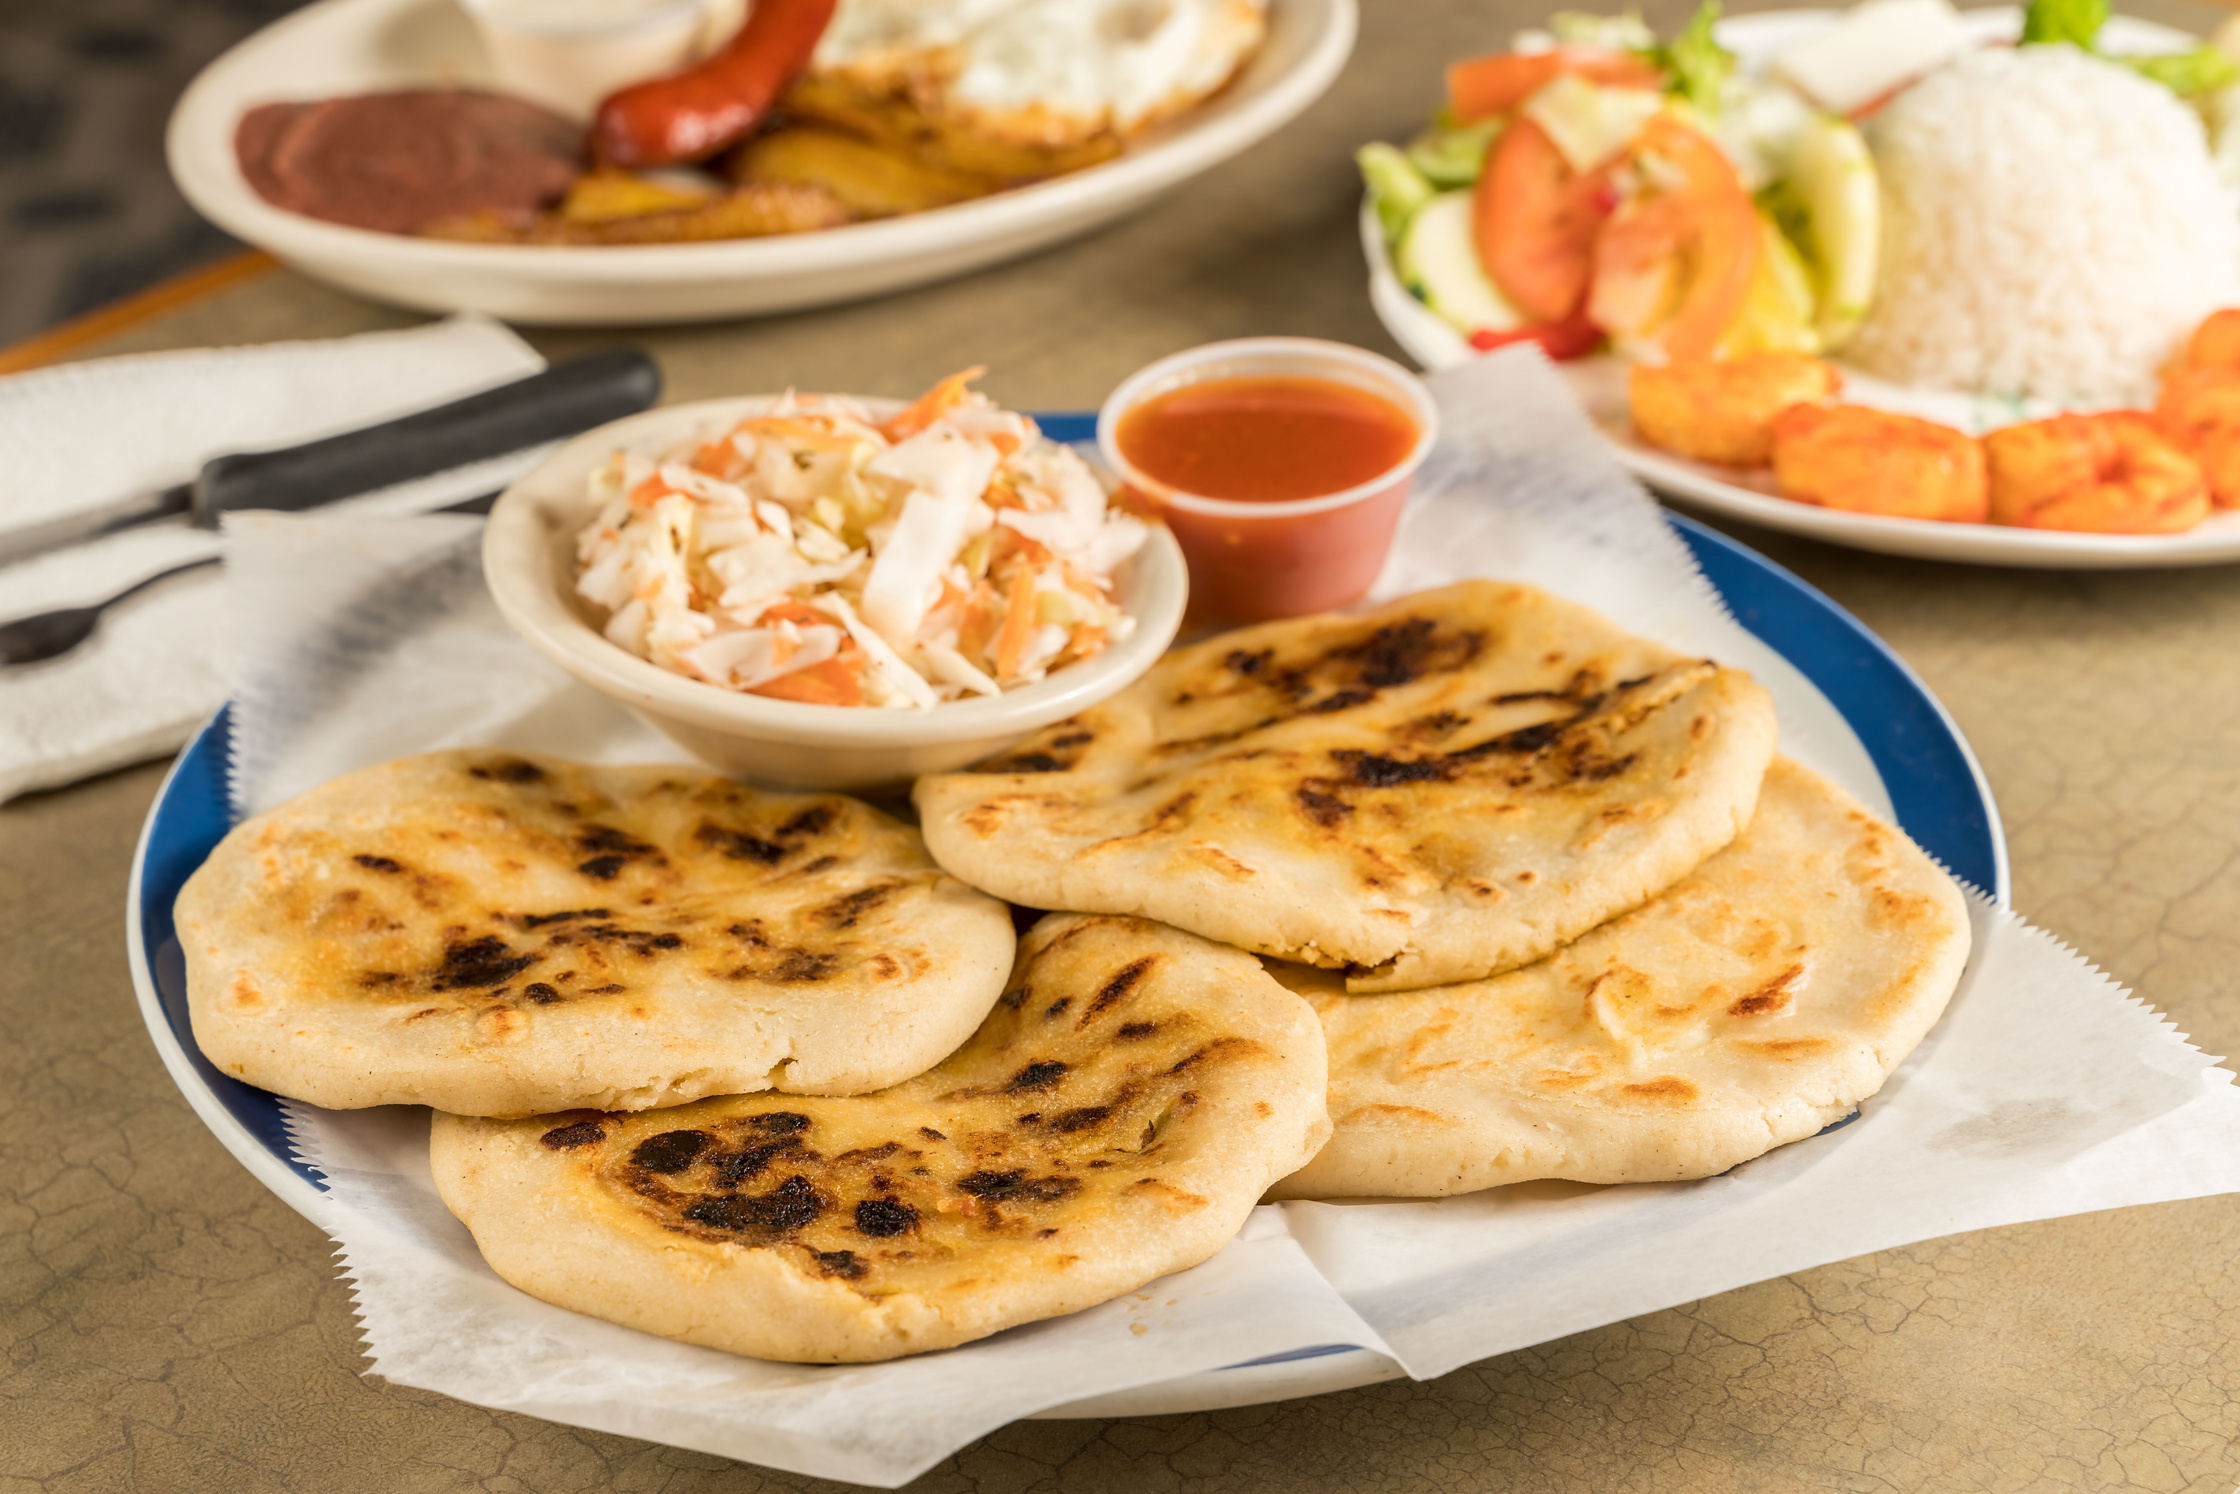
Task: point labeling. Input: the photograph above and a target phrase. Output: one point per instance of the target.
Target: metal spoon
(49, 635)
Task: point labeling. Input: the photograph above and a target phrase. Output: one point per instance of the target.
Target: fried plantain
(755, 210)
(897, 111)
(870, 179)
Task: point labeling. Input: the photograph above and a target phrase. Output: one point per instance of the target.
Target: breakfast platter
(358, 47)
(1752, 494)
(1926, 775)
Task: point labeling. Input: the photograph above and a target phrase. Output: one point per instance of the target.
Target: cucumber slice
(1438, 260)
(1778, 315)
(1454, 157)
(1396, 187)
(1832, 179)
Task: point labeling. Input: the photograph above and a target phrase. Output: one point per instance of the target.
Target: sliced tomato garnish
(1537, 220)
(1481, 87)
(1672, 267)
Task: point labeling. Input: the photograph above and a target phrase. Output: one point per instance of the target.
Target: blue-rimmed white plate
(1935, 788)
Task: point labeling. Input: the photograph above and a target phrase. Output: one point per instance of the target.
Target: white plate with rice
(1600, 382)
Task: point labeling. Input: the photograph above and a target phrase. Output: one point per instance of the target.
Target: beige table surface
(169, 1325)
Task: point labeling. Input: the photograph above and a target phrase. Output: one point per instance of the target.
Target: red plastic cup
(1252, 561)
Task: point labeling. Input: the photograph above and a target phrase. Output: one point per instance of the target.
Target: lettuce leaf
(2077, 22)
(1698, 64)
(2186, 74)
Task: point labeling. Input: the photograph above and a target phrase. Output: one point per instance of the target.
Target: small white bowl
(528, 558)
(569, 54)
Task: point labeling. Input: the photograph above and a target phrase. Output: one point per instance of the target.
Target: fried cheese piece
(1444, 787)
(1115, 1119)
(1722, 411)
(498, 933)
(2115, 472)
(1867, 461)
(1755, 1001)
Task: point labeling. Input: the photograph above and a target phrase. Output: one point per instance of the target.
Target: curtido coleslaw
(816, 553)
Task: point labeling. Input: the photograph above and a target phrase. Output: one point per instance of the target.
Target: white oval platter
(359, 46)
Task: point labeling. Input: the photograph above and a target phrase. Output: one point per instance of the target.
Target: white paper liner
(2045, 1090)
(435, 1316)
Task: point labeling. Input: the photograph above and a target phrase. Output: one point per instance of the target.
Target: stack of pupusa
(742, 1068)
(1572, 917)
(768, 1072)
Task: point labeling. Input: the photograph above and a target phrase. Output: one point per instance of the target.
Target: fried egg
(1075, 68)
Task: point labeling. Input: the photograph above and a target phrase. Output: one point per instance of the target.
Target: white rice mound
(2052, 229)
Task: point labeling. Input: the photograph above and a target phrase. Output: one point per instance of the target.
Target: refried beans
(395, 162)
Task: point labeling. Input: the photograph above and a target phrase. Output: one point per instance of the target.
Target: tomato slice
(1537, 220)
(1481, 87)
(1672, 268)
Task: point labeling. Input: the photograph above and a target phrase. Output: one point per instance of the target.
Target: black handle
(564, 400)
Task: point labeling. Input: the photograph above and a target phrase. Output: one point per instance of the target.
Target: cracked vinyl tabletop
(170, 1325)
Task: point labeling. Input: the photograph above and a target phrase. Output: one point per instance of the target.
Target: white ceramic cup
(569, 54)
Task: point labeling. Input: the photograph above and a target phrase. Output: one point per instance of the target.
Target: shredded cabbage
(814, 553)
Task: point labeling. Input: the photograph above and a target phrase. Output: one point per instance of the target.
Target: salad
(1594, 186)
(817, 553)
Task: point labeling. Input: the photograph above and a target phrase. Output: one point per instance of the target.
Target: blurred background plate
(1600, 383)
(359, 46)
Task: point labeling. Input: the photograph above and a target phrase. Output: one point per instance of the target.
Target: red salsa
(1266, 439)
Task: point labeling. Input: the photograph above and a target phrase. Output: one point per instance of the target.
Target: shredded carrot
(931, 405)
(1018, 624)
(978, 624)
(793, 611)
(646, 494)
(1009, 545)
(719, 458)
(1087, 642)
(833, 682)
(812, 432)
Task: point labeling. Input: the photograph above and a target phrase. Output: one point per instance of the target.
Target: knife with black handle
(564, 400)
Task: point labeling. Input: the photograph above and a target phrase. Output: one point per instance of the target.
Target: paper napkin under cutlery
(84, 434)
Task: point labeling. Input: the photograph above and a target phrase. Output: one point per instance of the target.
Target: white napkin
(2044, 1091)
(84, 434)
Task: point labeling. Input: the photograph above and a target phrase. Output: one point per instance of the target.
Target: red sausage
(693, 114)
